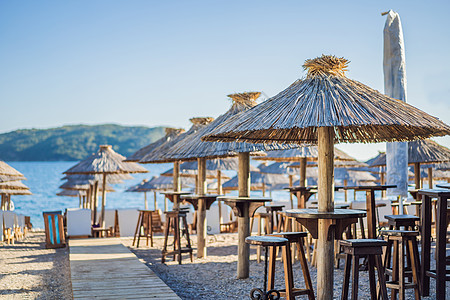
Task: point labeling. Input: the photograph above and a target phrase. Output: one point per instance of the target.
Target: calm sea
(44, 178)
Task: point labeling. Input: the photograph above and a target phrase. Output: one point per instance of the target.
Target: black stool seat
(266, 241)
(291, 235)
(362, 243)
(399, 233)
(402, 217)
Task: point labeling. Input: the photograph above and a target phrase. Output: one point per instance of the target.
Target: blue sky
(162, 62)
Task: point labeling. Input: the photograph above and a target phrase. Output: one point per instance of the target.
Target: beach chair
(111, 225)
(9, 225)
(78, 223)
(21, 225)
(128, 219)
(54, 229)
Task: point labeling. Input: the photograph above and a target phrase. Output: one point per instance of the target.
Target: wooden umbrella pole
(417, 175)
(243, 221)
(303, 171)
(79, 201)
(176, 183)
(95, 206)
(219, 192)
(145, 201)
(291, 182)
(325, 249)
(155, 200)
(201, 213)
(430, 178)
(102, 216)
(345, 191)
(383, 181)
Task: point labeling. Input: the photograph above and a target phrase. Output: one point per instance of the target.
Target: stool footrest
(432, 274)
(396, 285)
(182, 250)
(295, 292)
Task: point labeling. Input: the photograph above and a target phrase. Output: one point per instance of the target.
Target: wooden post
(79, 201)
(219, 192)
(176, 182)
(264, 189)
(95, 208)
(2, 205)
(102, 216)
(303, 171)
(291, 182)
(201, 213)
(155, 200)
(145, 201)
(345, 191)
(243, 266)
(430, 178)
(325, 249)
(417, 175)
(383, 182)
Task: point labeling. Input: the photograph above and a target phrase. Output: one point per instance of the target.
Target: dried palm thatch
(192, 147)
(141, 153)
(258, 181)
(71, 185)
(326, 98)
(352, 176)
(92, 178)
(13, 185)
(277, 168)
(230, 163)
(105, 161)
(6, 169)
(192, 173)
(71, 193)
(158, 154)
(423, 152)
(7, 191)
(309, 152)
(6, 178)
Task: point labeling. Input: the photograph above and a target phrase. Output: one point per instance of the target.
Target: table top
(200, 196)
(366, 187)
(336, 205)
(175, 193)
(435, 192)
(301, 188)
(315, 214)
(274, 206)
(244, 199)
(444, 185)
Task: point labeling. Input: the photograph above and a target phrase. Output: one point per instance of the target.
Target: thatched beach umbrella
(193, 148)
(157, 155)
(105, 162)
(6, 178)
(328, 108)
(6, 169)
(421, 152)
(171, 133)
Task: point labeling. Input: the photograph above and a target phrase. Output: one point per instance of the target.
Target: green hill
(74, 142)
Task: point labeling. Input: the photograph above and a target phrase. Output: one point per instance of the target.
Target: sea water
(44, 179)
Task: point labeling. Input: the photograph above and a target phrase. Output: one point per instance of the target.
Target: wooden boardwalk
(106, 269)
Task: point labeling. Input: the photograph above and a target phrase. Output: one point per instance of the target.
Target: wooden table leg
(441, 232)
(426, 245)
(243, 268)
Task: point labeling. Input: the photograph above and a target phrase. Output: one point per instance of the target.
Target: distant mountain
(74, 142)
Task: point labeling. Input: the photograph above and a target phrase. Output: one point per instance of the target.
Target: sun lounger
(111, 224)
(127, 221)
(54, 229)
(78, 223)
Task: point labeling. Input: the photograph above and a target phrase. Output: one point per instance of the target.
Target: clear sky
(163, 62)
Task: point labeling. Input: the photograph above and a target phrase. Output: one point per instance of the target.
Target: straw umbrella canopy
(171, 133)
(105, 161)
(327, 108)
(71, 193)
(111, 179)
(193, 148)
(6, 178)
(156, 156)
(6, 169)
(420, 152)
(13, 185)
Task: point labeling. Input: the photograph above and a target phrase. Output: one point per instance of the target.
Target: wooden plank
(106, 269)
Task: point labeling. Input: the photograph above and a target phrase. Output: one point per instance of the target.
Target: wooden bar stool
(270, 244)
(173, 219)
(143, 227)
(372, 250)
(260, 217)
(395, 222)
(401, 240)
(296, 239)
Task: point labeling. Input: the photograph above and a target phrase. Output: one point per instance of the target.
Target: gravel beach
(214, 277)
(29, 271)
